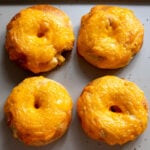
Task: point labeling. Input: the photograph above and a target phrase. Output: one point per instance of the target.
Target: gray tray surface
(74, 75)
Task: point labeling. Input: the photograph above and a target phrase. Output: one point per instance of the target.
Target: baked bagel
(109, 36)
(112, 110)
(38, 111)
(37, 36)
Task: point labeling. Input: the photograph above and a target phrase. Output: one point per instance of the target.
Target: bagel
(38, 36)
(112, 110)
(109, 36)
(38, 111)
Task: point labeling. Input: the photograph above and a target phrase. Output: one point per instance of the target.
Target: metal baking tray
(74, 75)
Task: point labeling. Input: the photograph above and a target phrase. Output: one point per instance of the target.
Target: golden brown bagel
(109, 36)
(38, 111)
(37, 36)
(113, 110)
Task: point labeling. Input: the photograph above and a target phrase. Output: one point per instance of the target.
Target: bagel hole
(42, 31)
(115, 109)
(40, 34)
(37, 105)
(112, 23)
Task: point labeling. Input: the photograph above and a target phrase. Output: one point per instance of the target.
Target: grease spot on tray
(148, 19)
(148, 57)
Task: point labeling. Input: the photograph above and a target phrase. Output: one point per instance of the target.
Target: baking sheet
(74, 75)
(144, 2)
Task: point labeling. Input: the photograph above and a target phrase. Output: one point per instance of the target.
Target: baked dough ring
(112, 110)
(109, 36)
(37, 36)
(38, 111)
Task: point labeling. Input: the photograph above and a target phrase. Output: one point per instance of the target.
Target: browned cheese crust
(37, 36)
(109, 36)
(113, 110)
(38, 111)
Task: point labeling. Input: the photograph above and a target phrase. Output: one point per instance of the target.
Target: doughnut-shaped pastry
(113, 110)
(109, 36)
(38, 36)
(38, 111)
